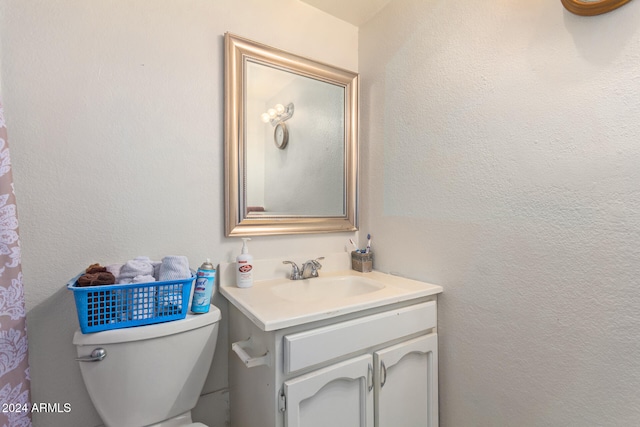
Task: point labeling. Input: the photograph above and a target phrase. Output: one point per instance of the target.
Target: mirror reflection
(297, 169)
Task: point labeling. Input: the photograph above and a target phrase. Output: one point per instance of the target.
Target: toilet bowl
(149, 375)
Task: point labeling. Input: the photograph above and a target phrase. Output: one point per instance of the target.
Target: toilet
(150, 375)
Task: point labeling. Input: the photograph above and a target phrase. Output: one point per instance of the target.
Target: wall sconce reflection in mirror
(277, 116)
(592, 7)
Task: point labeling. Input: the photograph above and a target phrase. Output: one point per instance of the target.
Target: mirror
(291, 142)
(592, 7)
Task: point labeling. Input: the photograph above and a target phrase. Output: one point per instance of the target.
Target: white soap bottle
(244, 267)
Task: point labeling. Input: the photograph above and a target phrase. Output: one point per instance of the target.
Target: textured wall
(115, 114)
(500, 149)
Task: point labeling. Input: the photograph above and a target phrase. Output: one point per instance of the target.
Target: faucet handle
(316, 262)
(295, 271)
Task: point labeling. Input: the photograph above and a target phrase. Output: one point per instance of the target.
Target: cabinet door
(340, 395)
(406, 384)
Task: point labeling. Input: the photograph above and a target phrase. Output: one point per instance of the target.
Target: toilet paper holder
(242, 348)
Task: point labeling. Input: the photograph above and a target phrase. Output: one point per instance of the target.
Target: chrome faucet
(309, 269)
(295, 271)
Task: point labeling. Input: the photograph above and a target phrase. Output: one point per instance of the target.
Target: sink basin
(325, 289)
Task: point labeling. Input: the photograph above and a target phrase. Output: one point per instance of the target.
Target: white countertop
(266, 307)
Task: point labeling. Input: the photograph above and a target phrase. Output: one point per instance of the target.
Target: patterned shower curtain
(14, 364)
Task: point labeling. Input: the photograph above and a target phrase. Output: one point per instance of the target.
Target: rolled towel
(155, 264)
(170, 296)
(174, 268)
(105, 278)
(143, 279)
(86, 279)
(96, 279)
(95, 268)
(135, 267)
(100, 305)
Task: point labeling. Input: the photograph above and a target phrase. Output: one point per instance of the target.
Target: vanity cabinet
(377, 367)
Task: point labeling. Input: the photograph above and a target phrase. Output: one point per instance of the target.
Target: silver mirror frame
(237, 221)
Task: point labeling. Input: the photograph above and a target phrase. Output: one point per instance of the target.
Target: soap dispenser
(244, 266)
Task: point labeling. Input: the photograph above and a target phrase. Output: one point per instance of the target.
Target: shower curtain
(14, 364)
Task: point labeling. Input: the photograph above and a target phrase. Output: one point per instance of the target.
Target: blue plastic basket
(101, 308)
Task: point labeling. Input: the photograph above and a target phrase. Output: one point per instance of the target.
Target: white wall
(115, 118)
(500, 150)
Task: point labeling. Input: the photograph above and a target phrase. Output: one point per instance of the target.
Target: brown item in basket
(96, 279)
(95, 268)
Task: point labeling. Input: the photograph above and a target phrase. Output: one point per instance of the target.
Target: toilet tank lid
(190, 322)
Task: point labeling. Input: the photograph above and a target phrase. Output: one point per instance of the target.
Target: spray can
(205, 282)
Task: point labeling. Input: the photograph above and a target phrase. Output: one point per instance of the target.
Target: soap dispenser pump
(244, 266)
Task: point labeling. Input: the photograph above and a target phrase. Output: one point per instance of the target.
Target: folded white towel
(170, 296)
(174, 268)
(143, 279)
(135, 267)
(155, 264)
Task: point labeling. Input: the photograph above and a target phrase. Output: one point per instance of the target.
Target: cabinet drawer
(309, 348)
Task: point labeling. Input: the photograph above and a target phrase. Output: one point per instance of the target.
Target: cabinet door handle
(370, 377)
(383, 374)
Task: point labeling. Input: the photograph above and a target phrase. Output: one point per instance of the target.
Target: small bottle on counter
(205, 283)
(244, 267)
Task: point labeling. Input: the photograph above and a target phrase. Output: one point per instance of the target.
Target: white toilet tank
(150, 373)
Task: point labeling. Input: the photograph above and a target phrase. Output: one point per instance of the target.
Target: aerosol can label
(205, 282)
